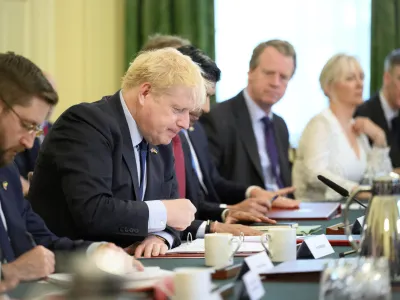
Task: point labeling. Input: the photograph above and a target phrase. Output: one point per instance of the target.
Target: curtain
(385, 36)
(190, 19)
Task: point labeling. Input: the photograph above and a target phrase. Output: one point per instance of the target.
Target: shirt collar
(256, 113)
(136, 136)
(389, 113)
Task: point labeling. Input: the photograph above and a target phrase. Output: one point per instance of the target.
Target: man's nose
(28, 140)
(183, 120)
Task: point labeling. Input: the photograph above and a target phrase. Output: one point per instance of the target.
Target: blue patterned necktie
(272, 150)
(143, 148)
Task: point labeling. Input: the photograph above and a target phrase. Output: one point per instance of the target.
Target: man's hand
(258, 192)
(373, 131)
(34, 264)
(25, 185)
(253, 206)
(180, 213)
(151, 246)
(282, 202)
(235, 216)
(128, 261)
(235, 229)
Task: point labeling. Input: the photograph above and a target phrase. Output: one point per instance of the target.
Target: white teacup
(220, 249)
(280, 243)
(192, 283)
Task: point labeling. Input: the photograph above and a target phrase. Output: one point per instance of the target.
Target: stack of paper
(250, 244)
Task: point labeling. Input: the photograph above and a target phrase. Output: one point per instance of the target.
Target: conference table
(274, 289)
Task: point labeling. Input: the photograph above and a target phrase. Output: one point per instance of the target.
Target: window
(317, 29)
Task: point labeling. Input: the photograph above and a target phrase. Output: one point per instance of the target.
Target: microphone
(337, 188)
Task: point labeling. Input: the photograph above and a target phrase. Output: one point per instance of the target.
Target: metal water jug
(380, 234)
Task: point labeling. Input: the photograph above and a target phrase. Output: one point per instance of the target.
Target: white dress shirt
(388, 112)
(256, 114)
(324, 149)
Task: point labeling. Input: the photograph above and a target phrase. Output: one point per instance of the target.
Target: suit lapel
(128, 151)
(246, 133)
(16, 228)
(379, 115)
(192, 181)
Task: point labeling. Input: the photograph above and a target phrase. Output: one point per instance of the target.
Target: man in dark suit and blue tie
(248, 142)
(106, 170)
(26, 98)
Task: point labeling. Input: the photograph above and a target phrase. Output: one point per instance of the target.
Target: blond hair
(159, 41)
(337, 67)
(164, 69)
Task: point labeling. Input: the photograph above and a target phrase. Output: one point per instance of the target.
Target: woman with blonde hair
(334, 144)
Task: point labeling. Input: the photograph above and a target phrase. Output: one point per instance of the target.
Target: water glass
(359, 278)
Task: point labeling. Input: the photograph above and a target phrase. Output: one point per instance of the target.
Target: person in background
(334, 144)
(383, 107)
(249, 143)
(26, 98)
(203, 180)
(160, 41)
(106, 171)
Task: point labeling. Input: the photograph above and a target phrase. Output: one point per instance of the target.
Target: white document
(250, 244)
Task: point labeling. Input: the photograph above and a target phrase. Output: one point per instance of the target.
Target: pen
(274, 198)
(31, 239)
(343, 254)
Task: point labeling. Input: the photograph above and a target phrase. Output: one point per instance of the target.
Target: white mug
(192, 283)
(220, 249)
(280, 243)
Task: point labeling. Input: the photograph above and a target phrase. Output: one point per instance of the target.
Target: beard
(7, 155)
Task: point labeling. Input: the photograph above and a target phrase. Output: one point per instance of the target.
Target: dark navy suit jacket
(20, 218)
(219, 190)
(85, 184)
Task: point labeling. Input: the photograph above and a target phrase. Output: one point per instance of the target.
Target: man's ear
(386, 77)
(144, 91)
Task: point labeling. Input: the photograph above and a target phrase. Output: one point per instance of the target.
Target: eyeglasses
(26, 125)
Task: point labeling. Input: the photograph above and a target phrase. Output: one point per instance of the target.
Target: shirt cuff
(157, 216)
(223, 206)
(248, 191)
(93, 247)
(201, 231)
(169, 238)
(223, 215)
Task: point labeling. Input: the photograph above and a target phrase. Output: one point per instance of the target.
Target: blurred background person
(383, 107)
(248, 142)
(334, 144)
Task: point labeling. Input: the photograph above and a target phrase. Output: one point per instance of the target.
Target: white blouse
(324, 149)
